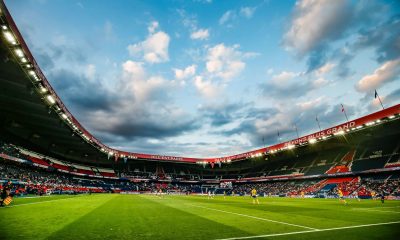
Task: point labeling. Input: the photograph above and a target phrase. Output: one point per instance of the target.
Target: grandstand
(45, 150)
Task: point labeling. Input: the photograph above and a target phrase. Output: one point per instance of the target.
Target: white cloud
(314, 22)
(283, 77)
(308, 105)
(206, 88)
(136, 82)
(227, 16)
(247, 11)
(225, 62)
(270, 125)
(388, 72)
(320, 82)
(154, 48)
(325, 69)
(188, 21)
(134, 69)
(302, 113)
(287, 84)
(153, 26)
(231, 15)
(90, 71)
(185, 73)
(142, 109)
(200, 34)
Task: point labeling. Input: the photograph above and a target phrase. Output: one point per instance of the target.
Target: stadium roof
(33, 114)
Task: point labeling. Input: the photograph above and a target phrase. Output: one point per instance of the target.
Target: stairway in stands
(344, 164)
(347, 184)
(316, 187)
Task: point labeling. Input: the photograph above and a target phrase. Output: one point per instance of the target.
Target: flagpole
(297, 132)
(379, 98)
(345, 114)
(316, 118)
(279, 137)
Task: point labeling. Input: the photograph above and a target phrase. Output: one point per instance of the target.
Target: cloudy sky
(208, 78)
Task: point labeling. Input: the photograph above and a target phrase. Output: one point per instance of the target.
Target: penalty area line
(254, 217)
(309, 231)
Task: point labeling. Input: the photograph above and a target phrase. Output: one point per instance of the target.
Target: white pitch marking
(36, 197)
(258, 218)
(309, 231)
(24, 204)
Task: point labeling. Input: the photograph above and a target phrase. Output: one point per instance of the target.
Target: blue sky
(208, 78)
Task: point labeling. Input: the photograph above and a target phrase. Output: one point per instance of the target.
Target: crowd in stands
(388, 187)
(365, 188)
(30, 179)
(283, 188)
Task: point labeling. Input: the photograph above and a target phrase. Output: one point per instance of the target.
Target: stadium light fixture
(291, 146)
(4, 27)
(391, 117)
(341, 132)
(51, 99)
(8, 35)
(370, 123)
(312, 140)
(19, 52)
(43, 89)
(23, 60)
(64, 116)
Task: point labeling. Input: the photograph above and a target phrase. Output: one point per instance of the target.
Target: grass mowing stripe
(309, 231)
(133, 217)
(38, 221)
(382, 207)
(375, 210)
(23, 204)
(254, 217)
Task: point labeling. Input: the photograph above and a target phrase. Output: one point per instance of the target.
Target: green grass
(113, 216)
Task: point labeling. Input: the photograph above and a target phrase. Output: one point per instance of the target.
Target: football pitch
(117, 216)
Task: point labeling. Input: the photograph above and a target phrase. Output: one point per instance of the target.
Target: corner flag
(7, 201)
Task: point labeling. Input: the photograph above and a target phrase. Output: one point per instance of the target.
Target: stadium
(60, 181)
